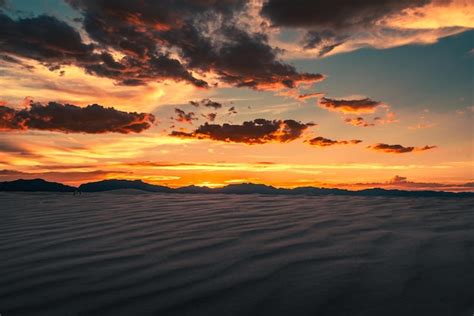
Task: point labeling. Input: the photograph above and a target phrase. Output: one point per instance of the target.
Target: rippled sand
(129, 253)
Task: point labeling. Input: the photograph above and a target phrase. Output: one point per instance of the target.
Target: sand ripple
(129, 253)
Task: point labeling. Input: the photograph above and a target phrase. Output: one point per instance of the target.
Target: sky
(346, 94)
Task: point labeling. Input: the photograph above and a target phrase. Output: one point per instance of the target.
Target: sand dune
(135, 253)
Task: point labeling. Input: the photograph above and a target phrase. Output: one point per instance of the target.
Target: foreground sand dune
(132, 253)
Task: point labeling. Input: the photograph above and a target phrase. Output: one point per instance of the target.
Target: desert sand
(133, 253)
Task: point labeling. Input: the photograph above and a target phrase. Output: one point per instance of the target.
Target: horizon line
(176, 189)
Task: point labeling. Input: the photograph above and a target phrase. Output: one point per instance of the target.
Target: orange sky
(434, 134)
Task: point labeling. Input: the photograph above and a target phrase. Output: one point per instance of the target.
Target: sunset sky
(349, 94)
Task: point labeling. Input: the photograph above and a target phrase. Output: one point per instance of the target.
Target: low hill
(107, 185)
(35, 185)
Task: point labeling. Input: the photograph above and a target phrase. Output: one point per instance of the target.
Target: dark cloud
(324, 41)
(259, 131)
(158, 40)
(15, 148)
(311, 95)
(366, 105)
(398, 179)
(333, 14)
(331, 23)
(42, 38)
(8, 172)
(325, 142)
(232, 110)
(207, 35)
(132, 71)
(55, 43)
(398, 149)
(67, 118)
(206, 103)
(360, 121)
(246, 60)
(211, 117)
(184, 117)
(9, 147)
(13, 60)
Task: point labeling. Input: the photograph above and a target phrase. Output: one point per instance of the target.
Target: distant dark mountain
(426, 193)
(107, 185)
(244, 188)
(35, 185)
(193, 189)
(248, 188)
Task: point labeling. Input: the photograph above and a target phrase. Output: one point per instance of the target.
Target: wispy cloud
(325, 142)
(398, 149)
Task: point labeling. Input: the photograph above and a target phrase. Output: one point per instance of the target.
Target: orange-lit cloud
(124, 48)
(358, 121)
(365, 105)
(208, 103)
(259, 131)
(398, 149)
(325, 142)
(330, 28)
(183, 117)
(434, 15)
(211, 117)
(311, 95)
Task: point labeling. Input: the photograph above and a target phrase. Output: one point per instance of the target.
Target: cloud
(183, 117)
(262, 70)
(13, 60)
(323, 41)
(358, 121)
(208, 103)
(341, 25)
(306, 96)
(398, 149)
(333, 15)
(205, 37)
(16, 149)
(365, 105)
(325, 142)
(42, 38)
(55, 43)
(232, 110)
(211, 117)
(397, 180)
(67, 118)
(258, 131)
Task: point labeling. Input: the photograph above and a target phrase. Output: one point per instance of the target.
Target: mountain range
(40, 185)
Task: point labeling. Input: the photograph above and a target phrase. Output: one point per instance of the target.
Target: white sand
(132, 253)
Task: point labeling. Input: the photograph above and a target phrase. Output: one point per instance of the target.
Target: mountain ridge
(41, 185)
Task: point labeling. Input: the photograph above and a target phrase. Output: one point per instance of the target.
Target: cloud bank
(68, 118)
